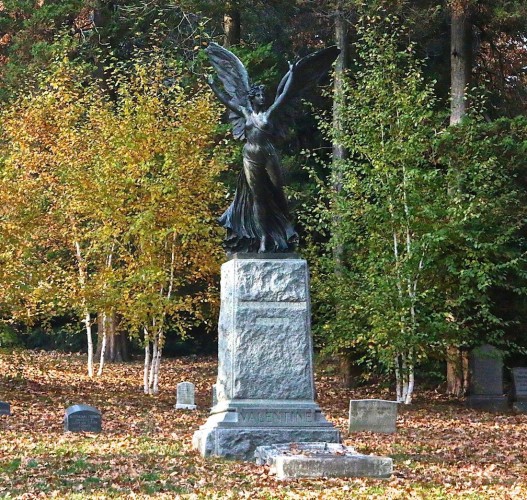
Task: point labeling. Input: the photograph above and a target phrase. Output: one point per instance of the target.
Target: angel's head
(257, 96)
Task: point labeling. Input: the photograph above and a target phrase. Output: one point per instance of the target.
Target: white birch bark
(398, 380)
(87, 322)
(157, 365)
(152, 365)
(87, 317)
(147, 361)
(404, 370)
(103, 346)
(411, 377)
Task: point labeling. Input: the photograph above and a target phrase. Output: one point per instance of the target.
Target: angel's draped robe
(259, 209)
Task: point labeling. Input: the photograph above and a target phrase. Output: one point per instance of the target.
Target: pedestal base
(520, 406)
(488, 403)
(236, 428)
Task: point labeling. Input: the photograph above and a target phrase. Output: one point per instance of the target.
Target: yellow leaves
(136, 179)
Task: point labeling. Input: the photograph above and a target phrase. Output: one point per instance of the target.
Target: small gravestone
(5, 408)
(314, 460)
(374, 415)
(82, 418)
(185, 396)
(486, 379)
(519, 378)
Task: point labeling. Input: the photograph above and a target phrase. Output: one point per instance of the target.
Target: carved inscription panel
(275, 417)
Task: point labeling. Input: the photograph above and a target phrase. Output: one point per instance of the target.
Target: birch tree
(389, 207)
(160, 142)
(124, 196)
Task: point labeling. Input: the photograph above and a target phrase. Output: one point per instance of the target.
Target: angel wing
(307, 72)
(235, 81)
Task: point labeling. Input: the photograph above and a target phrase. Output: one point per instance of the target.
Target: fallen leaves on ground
(440, 450)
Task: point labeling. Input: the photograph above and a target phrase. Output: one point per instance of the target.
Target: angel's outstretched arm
(223, 99)
(283, 95)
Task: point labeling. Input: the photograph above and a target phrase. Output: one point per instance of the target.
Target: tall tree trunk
(460, 71)
(232, 24)
(460, 60)
(340, 154)
(147, 361)
(104, 335)
(89, 336)
(116, 345)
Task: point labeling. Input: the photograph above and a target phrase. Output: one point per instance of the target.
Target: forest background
(407, 177)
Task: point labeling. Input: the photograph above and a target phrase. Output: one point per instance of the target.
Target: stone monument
(519, 378)
(486, 379)
(82, 418)
(374, 415)
(185, 396)
(5, 408)
(265, 387)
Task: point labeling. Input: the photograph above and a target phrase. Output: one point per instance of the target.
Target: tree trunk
(232, 24)
(89, 336)
(460, 60)
(104, 334)
(460, 71)
(350, 371)
(147, 362)
(457, 371)
(340, 154)
(116, 346)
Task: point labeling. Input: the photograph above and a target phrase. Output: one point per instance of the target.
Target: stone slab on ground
(374, 415)
(317, 459)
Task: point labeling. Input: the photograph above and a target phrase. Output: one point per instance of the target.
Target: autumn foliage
(108, 197)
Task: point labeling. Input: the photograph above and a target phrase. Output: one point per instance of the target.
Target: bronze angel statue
(258, 219)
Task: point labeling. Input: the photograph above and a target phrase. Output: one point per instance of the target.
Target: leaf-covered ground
(441, 449)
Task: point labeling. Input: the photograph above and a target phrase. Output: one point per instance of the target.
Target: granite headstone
(374, 415)
(486, 379)
(185, 396)
(5, 408)
(82, 418)
(519, 378)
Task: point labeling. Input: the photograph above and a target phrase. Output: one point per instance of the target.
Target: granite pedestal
(265, 389)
